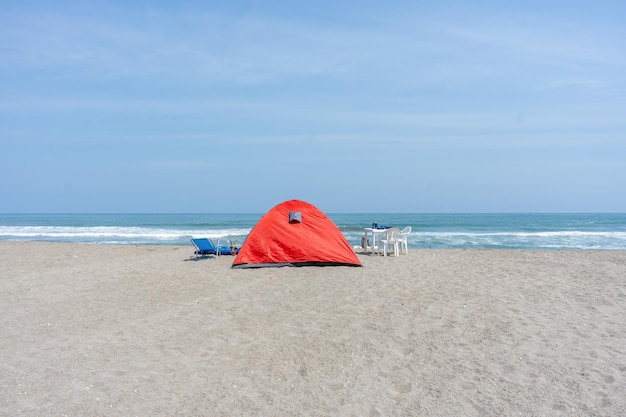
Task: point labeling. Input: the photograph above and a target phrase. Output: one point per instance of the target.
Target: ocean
(436, 231)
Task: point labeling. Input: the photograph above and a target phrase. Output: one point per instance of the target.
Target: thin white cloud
(412, 50)
(384, 76)
(590, 84)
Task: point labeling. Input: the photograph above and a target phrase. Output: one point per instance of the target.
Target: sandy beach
(98, 330)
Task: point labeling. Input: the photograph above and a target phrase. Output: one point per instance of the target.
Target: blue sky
(354, 106)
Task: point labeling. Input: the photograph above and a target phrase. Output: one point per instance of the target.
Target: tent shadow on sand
(295, 233)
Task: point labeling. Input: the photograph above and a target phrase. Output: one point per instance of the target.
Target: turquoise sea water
(494, 231)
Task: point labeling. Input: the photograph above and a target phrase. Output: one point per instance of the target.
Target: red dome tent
(295, 233)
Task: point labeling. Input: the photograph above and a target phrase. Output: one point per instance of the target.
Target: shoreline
(356, 247)
(92, 329)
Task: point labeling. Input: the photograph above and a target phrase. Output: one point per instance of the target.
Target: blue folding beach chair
(205, 247)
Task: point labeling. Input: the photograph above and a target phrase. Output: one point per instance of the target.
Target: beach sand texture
(97, 330)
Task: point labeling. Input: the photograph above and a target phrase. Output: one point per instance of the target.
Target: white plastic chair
(403, 239)
(390, 239)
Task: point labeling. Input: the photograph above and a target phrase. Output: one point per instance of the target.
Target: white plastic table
(375, 238)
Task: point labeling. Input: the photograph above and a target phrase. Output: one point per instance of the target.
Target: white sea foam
(524, 240)
(607, 240)
(115, 234)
